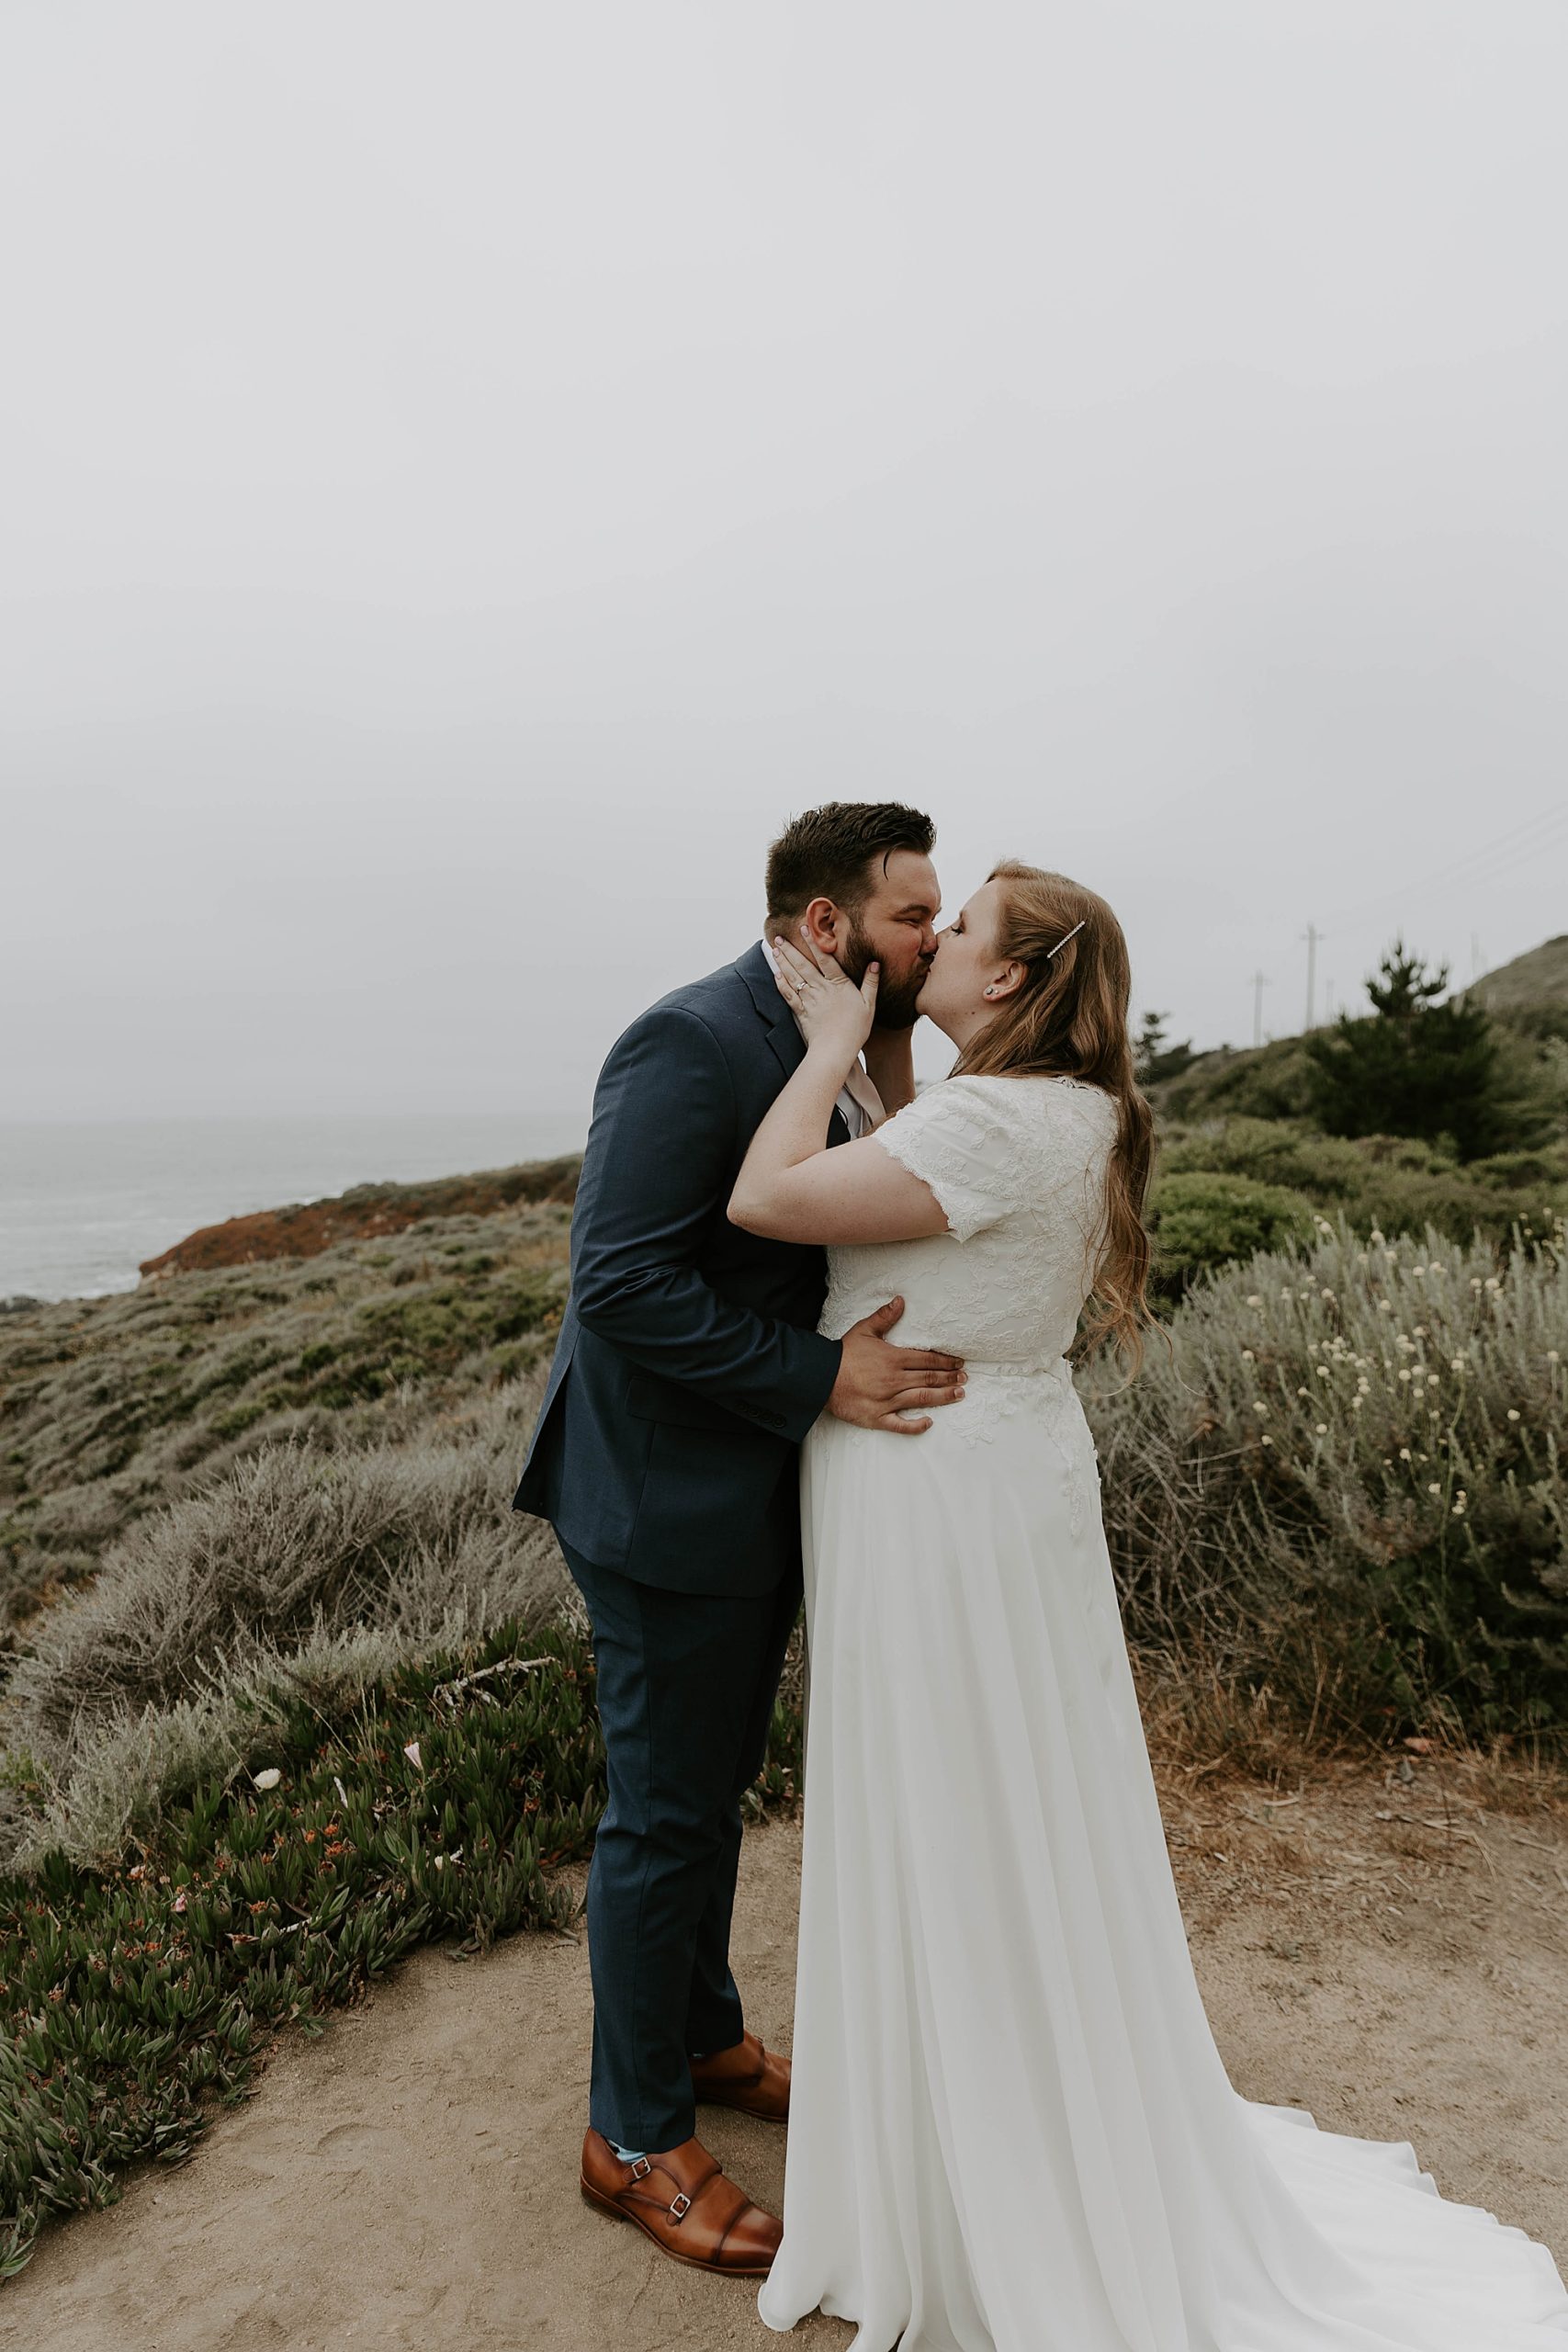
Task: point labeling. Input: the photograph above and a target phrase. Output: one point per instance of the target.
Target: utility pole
(1260, 982)
(1312, 935)
(1328, 1000)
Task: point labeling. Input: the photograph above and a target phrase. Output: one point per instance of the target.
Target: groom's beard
(895, 1007)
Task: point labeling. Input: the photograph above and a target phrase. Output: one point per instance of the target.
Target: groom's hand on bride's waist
(877, 1383)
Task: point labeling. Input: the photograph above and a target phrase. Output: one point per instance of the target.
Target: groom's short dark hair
(828, 853)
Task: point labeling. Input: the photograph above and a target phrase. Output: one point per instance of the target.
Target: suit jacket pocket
(650, 1398)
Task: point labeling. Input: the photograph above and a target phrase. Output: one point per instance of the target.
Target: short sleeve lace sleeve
(960, 1137)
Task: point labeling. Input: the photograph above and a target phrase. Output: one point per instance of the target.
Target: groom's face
(895, 923)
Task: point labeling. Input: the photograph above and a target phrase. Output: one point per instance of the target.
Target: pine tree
(1152, 1058)
(1415, 1068)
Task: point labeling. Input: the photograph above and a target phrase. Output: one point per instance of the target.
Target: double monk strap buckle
(696, 2216)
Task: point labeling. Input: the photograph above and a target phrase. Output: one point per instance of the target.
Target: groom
(687, 1371)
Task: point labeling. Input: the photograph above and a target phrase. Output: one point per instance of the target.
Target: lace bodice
(1018, 1166)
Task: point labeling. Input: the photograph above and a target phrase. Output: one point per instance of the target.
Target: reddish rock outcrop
(305, 1229)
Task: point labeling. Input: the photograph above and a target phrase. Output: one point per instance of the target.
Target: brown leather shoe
(684, 2201)
(747, 2076)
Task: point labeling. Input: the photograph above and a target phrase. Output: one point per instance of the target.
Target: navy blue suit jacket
(688, 1366)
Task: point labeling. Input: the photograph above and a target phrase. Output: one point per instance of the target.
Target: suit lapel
(779, 1021)
(784, 1037)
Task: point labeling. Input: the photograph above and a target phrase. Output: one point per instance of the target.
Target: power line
(1485, 864)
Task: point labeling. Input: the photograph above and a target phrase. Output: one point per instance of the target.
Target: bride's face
(966, 964)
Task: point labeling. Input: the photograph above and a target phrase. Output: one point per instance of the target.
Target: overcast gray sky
(473, 471)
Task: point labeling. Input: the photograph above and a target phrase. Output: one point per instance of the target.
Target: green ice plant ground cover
(137, 2000)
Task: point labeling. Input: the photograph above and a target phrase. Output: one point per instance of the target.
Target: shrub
(294, 1562)
(1204, 1219)
(114, 1407)
(1348, 1484)
(1398, 1184)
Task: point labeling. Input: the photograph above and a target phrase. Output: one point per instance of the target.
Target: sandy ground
(411, 2178)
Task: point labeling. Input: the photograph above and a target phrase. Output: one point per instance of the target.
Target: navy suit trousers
(686, 1685)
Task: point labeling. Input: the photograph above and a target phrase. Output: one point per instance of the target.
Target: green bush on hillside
(1346, 1485)
(1202, 1220)
(1399, 1183)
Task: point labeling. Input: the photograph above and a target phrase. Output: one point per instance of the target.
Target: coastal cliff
(305, 1229)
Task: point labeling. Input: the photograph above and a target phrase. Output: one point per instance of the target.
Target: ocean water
(83, 1202)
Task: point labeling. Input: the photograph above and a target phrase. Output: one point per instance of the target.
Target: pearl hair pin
(1061, 943)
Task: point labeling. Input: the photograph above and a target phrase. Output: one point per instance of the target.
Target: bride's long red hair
(1069, 1018)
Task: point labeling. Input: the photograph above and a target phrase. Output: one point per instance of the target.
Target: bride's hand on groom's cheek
(830, 1009)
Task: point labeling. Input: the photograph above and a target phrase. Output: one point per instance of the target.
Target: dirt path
(411, 2178)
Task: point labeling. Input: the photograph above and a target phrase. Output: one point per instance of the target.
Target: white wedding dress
(1010, 2129)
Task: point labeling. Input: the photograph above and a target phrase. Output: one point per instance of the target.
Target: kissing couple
(819, 1345)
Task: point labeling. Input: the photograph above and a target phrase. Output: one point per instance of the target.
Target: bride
(1010, 2128)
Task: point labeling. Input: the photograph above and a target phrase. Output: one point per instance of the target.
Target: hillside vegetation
(116, 1407)
(1531, 983)
(285, 1686)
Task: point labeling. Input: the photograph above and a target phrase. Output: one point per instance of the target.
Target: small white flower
(1304, 1392)
(1355, 1403)
(1259, 1407)
(1405, 1453)
(1246, 1355)
(268, 1780)
(1322, 1429)
(1431, 1380)
(1458, 1362)
(1254, 1298)
(1513, 1412)
(1404, 1373)
(1434, 1489)
(1267, 1441)
(411, 1749)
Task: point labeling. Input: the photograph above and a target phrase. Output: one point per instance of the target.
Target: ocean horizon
(83, 1202)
